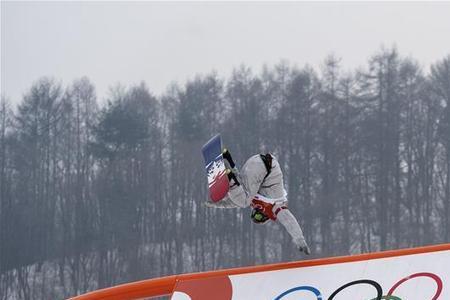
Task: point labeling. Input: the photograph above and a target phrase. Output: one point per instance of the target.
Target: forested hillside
(100, 191)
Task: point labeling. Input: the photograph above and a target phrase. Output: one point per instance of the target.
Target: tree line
(96, 195)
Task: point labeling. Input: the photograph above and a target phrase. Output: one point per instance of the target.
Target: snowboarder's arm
(289, 222)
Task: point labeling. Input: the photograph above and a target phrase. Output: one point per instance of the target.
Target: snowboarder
(260, 185)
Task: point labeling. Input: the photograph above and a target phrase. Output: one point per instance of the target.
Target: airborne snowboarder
(260, 185)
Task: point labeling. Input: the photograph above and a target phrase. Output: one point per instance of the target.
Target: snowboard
(218, 182)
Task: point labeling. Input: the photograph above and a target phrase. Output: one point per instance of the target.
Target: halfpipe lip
(164, 286)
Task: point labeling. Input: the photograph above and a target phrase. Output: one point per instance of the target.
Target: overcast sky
(160, 42)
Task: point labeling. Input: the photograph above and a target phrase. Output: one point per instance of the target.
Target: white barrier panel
(423, 276)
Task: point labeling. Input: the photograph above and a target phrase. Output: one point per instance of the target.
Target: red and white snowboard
(216, 171)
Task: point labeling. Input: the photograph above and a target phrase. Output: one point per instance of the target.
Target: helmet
(258, 216)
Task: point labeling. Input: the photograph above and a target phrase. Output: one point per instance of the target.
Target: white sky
(161, 42)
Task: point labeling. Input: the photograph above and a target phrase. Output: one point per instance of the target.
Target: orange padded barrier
(164, 286)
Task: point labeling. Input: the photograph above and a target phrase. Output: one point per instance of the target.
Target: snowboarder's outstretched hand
(302, 246)
(305, 250)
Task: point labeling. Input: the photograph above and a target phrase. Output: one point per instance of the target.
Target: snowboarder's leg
(224, 203)
(236, 198)
(238, 195)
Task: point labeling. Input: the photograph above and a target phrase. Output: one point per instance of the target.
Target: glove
(305, 250)
(302, 246)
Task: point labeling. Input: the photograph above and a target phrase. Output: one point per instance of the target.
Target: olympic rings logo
(301, 288)
(376, 285)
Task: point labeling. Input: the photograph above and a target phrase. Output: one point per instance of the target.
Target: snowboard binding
(231, 175)
(227, 155)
